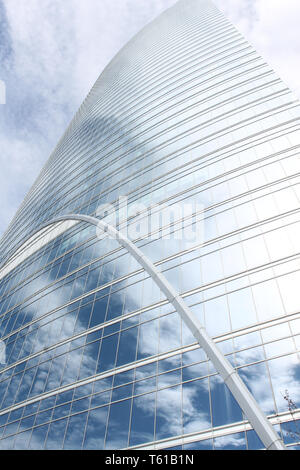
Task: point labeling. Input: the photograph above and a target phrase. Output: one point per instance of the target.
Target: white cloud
(51, 54)
(272, 27)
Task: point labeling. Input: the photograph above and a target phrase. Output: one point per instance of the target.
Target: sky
(51, 53)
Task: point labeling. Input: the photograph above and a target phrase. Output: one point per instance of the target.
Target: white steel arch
(246, 401)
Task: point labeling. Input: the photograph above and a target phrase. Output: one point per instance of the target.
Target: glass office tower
(93, 356)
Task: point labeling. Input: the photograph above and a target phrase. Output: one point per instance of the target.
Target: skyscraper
(187, 123)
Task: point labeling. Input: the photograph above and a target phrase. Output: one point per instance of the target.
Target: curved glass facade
(92, 355)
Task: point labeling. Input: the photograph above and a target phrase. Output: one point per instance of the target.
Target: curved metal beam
(246, 401)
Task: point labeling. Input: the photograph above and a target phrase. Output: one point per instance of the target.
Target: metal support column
(246, 401)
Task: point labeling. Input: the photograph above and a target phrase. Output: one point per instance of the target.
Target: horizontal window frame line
(225, 175)
(212, 433)
(195, 161)
(171, 50)
(228, 235)
(99, 376)
(170, 55)
(83, 244)
(187, 438)
(267, 73)
(277, 110)
(209, 242)
(49, 167)
(25, 245)
(246, 93)
(265, 115)
(160, 356)
(110, 152)
(226, 31)
(107, 164)
(277, 418)
(63, 196)
(204, 287)
(185, 148)
(238, 332)
(193, 346)
(286, 132)
(226, 24)
(162, 374)
(234, 333)
(31, 240)
(262, 65)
